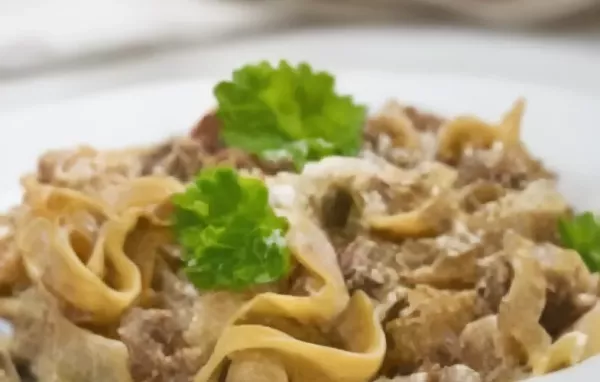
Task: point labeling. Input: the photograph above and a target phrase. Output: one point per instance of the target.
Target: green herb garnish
(288, 113)
(231, 237)
(582, 233)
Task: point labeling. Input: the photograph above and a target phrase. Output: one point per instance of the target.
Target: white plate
(560, 126)
(569, 59)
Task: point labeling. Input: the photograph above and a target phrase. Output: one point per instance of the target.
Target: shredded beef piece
(423, 121)
(427, 332)
(369, 265)
(256, 366)
(24, 371)
(355, 262)
(495, 282)
(234, 158)
(336, 207)
(481, 346)
(183, 157)
(157, 350)
(512, 167)
(558, 312)
(206, 132)
(179, 157)
(454, 373)
(563, 307)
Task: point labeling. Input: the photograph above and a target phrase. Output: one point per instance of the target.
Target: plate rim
(206, 81)
(566, 58)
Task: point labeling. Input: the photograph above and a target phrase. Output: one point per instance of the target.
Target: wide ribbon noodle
(469, 131)
(305, 361)
(73, 244)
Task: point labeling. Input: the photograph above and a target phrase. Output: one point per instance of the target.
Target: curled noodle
(472, 132)
(363, 355)
(521, 308)
(97, 277)
(430, 217)
(393, 122)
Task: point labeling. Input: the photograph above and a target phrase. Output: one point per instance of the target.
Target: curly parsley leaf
(582, 233)
(230, 235)
(288, 113)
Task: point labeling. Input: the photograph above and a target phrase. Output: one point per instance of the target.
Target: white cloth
(490, 12)
(36, 33)
(39, 32)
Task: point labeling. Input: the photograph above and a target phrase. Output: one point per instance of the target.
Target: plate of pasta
(288, 224)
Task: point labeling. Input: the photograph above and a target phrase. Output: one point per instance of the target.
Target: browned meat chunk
(157, 351)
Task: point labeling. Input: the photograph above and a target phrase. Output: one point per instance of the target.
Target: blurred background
(56, 49)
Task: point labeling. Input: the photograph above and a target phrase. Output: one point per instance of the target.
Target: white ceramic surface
(568, 60)
(559, 126)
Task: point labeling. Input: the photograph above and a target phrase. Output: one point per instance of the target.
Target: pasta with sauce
(432, 253)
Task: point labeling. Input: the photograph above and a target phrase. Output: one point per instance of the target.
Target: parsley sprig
(582, 233)
(231, 237)
(288, 113)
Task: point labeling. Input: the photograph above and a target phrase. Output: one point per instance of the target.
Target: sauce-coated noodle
(307, 361)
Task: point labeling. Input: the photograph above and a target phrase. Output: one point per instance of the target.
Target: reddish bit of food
(156, 347)
(422, 120)
(206, 132)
